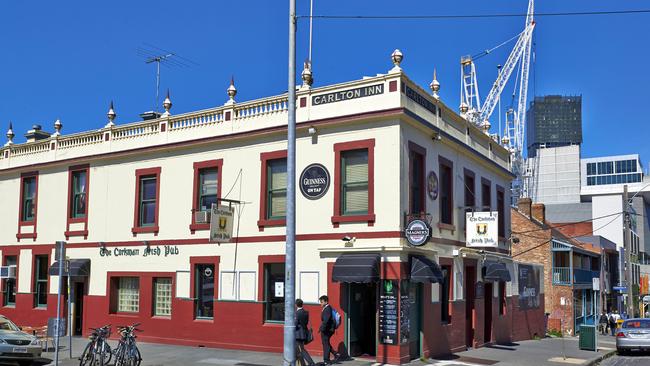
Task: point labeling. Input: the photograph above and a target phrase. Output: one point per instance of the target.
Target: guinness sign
(314, 181)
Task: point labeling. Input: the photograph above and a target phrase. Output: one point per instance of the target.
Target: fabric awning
(77, 267)
(425, 270)
(495, 272)
(359, 268)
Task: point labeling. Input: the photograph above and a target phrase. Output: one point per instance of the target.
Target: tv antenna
(159, 56)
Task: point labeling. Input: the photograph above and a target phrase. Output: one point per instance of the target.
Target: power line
(567, 224)
(474, 16)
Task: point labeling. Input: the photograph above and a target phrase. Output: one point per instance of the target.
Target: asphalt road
(634, 359)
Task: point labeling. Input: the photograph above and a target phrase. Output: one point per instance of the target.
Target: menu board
(388, 312)
(404, 313)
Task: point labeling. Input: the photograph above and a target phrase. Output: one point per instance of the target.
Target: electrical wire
(568, 224)
(474, 16)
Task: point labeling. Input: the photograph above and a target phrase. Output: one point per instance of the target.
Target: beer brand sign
(417, 232)
(314, 181)
(482, 229)
(339, 96)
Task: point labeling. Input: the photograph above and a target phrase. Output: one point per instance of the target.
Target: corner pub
(131, 202)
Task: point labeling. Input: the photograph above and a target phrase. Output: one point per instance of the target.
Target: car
(634, 334)
(16, 345)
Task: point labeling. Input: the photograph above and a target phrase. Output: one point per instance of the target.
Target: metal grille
(18, 342)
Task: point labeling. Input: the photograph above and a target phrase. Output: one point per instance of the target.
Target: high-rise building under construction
(554, 121)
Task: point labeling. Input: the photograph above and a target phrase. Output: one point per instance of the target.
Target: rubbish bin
(587, 339)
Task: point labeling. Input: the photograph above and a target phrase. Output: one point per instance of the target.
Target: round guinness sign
(417, 232)
(314, 181)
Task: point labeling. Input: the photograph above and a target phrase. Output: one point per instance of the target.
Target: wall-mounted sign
(221, 223)
(279, 289)
(388, 316)
(432, 185)
(417, 232)
(419, 99)
(156, 251)
(339, 96)
(482, 229)
(529, 287)
(314, 181)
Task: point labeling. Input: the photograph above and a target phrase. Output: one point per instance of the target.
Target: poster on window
(482, 229)
(528, 287)
(388, 307)
(221, 223)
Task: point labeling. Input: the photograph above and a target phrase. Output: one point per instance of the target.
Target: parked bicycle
(97, 351)
(127, 353)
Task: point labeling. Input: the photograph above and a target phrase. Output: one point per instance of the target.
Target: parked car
(16, 345)
(634, 334)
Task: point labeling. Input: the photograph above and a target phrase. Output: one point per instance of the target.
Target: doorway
(362, 313)
(415, 327)
(470, 313)
(488, 312)
(78, 306)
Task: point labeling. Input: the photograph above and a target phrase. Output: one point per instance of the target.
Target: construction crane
(479, 114)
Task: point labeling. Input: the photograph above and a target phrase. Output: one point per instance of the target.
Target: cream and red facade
(390, 118)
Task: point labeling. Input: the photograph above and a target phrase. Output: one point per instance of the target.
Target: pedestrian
(602, 323)
(612, 322)
(303, 334)
(326, 330)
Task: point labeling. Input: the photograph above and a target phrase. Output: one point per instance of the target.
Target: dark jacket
(326, 320)
(302, 321)
(603, 319)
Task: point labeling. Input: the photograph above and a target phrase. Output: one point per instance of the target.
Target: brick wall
(576, 229)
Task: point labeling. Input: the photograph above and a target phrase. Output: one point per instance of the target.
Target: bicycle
(97, 351)
(127, 353)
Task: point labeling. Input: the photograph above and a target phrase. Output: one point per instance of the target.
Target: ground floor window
(128, 294)
(9, 284)
(204, 290)
(274, 292)
(40, 280)
(162, 296)
(445, 295)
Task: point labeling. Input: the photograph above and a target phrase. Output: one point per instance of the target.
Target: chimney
(149, 115)
(36, 134)
(539, 212)
(524, 206)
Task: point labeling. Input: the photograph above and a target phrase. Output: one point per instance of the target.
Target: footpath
(547, 351)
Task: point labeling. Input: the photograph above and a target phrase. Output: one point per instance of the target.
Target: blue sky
(68, 59)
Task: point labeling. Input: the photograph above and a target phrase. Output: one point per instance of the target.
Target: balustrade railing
(195, 120)
(31, 148)
(136, 130)
(80, 140)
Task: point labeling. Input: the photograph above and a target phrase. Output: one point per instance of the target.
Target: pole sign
(482, 229)
(417, 232)
(221, 223)
(314, 181)
(595, 283)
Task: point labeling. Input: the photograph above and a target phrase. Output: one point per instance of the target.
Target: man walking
(327, 327)
(302, 334)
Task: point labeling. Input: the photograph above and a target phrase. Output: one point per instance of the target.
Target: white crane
(479, 114)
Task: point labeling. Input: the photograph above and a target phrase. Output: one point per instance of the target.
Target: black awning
(495, 272)
(425, 270)
(77, 267)
(359, 268)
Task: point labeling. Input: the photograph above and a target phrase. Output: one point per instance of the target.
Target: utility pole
(627, 235)
(290, 255)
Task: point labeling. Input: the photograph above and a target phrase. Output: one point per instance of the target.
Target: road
(635, 359)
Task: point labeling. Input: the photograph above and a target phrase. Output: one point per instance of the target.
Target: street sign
(595, 284)
(221, 223)
(55, 328)
(620, 288)
(59, 250)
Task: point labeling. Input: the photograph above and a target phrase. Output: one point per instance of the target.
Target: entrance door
(470, 296)
(488, 312)
(415, 296)
(79, 291)
(362, 307)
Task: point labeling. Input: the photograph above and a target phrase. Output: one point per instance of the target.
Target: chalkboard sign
(404, 313)
(54, 327)
(388, 312)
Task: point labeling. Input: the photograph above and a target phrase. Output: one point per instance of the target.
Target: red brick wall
(528, 323)
(575, 229)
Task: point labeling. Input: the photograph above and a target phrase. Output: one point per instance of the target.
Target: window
(416, 182)
(207, 190)
(28, 207)
(147, 200)
(470, 199)
(502, 211)
(128, 294)
(486, 195)
(502, 298)
(445, 294)
(354, 182)
(276, 195)
(9, 284)
(274, 292)
(446, 191)
(41, 266)
(162, 296)
(204, 290)
(78, 192)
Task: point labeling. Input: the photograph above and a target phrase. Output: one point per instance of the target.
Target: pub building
(387, 176)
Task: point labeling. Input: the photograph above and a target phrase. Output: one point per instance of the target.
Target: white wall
(609, 227)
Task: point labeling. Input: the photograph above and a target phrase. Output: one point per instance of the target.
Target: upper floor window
(502, 211)
(276, 186)
(207, 189)
(486, 195)
(354, 182)
(470, 195)
(416, 181)
(28, 207)
(78, 194)
(446, 191)
(147, 200)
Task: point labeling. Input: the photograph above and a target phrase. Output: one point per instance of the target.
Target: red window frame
(501, 209)
(70, 220)
(9, 252)
(215, 260)
(446, 163)
(21, 223)
(264, 158)
(337, 217)
(198, 166)
(139, 173)
(37, 252)
(415, 149)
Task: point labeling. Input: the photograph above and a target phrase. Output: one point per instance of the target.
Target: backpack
(336, 317)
